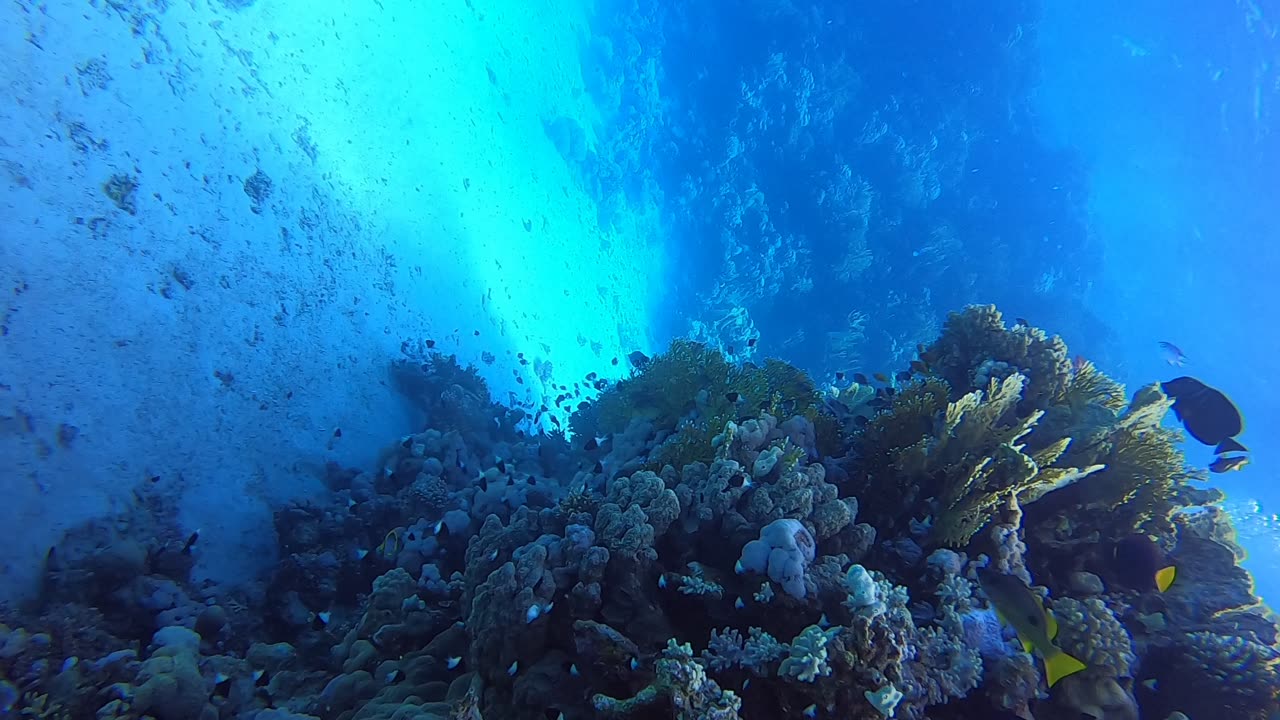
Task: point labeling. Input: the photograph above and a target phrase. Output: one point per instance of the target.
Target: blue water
(224, 219)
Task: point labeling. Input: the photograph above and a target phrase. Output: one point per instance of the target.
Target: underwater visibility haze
(574, 359)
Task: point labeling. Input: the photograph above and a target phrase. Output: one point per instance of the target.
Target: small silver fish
(515, 667)
(532, 614)
(453, 662)
(738, 603)
(662, 581)
(811, 711)
(635, 664)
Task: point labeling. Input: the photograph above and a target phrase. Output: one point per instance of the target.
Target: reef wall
(224, 218)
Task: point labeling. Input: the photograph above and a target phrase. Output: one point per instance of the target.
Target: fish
(598, 469)
(840, 377)
(320, 620)
(738, 603)
(1021, 321)
(615, 361)
(533, 613)
(513, 668)
(394, 676)
(635, 664)
(880, 377)
(1017, 606)
(861, 379)
(502, 466)
(811, 711)
(1228, 463)
(391, 545)
(431, 344)
(1173, 354)
(751, 342)
(904, 376)
(919, 366)
(190, 543)
(590, 444)
(733, 397)
(441, 531)
(1207, 413)
(662, 582)
(1141, 563)
(484, 484)
(729, 350)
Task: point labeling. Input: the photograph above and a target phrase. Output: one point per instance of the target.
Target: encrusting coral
(714, 540)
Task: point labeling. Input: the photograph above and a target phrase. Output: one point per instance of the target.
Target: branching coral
(967, 455)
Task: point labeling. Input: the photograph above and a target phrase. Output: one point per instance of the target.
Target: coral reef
(484, 569)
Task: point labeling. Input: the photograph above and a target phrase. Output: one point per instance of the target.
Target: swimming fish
(751, 342)
(861, 379)
(1207, 413)
(1173, 354)
(881, 377)
(391, 545)
(1142, 564)
(1228, 463)
(1016, 605)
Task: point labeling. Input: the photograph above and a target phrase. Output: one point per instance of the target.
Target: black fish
(583, 405)
(615, 361)
(442, 531)
(904, 376)
(732, 397)
(484, 484)
(510, 482)
(431, 344)
(191, 542)
(840, 376)
(729, 350)
(1141, 563)
(590, 445)
(861, 379)
(598, 469)
(502, 466)
(638, 360)
(1021, 321)
(533, 480)
(1207, 414)
(751, 342)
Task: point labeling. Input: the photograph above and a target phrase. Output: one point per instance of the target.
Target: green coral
(1002, 411)
(967, 455)
(693, 392)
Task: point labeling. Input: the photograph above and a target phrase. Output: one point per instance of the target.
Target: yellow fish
(1022, 610)
(391, 545)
